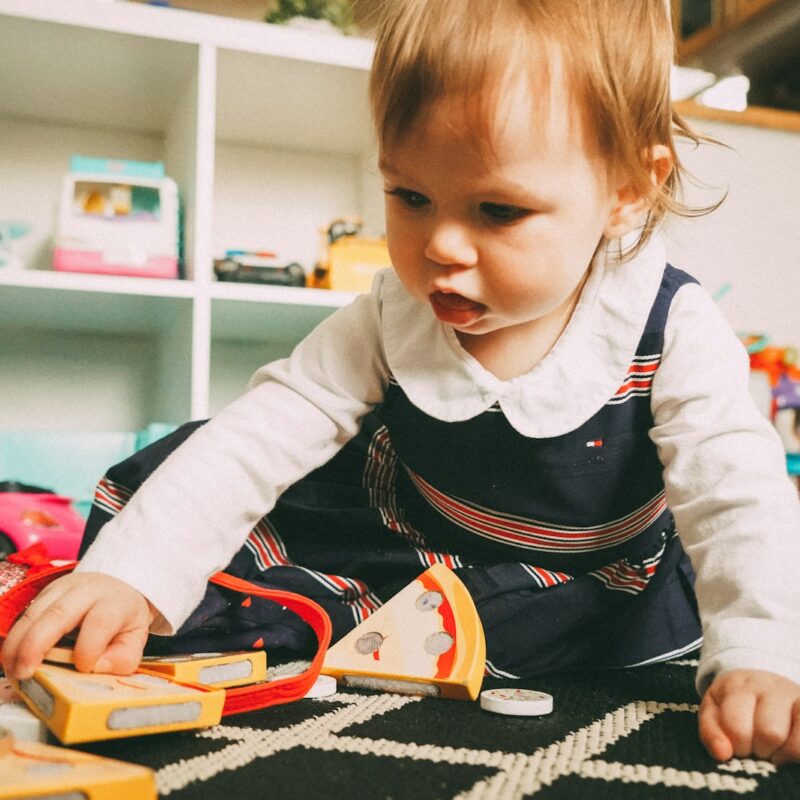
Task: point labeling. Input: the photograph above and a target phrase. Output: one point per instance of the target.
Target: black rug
(626, 735)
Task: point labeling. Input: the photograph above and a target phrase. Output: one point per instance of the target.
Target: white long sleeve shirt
(736, 511)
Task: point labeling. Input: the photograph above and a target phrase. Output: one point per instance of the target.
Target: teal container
(70, 462)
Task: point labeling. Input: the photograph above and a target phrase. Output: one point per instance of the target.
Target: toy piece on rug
(324, 686)
(16, 718)
(88, 707)
(427, 639)
(36, 771)
(220, 670)
(517, 702)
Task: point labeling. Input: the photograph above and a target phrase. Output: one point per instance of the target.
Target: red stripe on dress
(520, 532)
(634, 384)
(379, 476)
(639, 376)
(112, 495)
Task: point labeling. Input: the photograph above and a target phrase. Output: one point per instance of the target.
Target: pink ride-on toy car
(30, 514)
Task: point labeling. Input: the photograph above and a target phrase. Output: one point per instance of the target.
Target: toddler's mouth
(455, 309)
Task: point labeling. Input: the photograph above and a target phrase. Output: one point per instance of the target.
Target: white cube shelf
(265, 128)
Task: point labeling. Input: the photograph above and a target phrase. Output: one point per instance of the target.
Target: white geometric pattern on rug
(519, 775)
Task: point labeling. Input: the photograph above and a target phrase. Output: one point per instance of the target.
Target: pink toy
(118, 217)
(31, 515)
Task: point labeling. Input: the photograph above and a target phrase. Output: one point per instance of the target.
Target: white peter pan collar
(572, 382)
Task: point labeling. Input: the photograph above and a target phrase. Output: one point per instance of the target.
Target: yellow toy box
(16, 718)
(35, 771)
(87, 707)
(348, 261)
(220, 670)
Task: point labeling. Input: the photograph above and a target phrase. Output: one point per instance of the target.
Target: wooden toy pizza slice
(426, 640)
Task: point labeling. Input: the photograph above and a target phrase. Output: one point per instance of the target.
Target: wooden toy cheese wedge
(33, 770)
(88, 707)
(426, 640)
(221, 670)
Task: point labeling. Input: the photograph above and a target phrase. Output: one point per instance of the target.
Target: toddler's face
(497, 242)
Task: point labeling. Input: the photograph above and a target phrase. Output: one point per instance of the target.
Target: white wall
(753, 240)
(76, 381)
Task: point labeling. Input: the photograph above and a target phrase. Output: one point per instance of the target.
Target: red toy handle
(239, 699)
(284, 690)
(19, 597)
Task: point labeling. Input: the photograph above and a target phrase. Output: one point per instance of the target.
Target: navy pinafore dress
(566, 544)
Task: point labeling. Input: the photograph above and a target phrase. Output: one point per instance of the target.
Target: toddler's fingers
(112, 636)
(712, 736)
(124, 654)
(789, 751)
(736, 718)
(771, 724)
(42, 624)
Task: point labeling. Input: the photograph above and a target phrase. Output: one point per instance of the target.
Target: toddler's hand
(113, 618)
(751, 712)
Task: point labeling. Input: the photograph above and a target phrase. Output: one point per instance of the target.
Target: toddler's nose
(449, 245)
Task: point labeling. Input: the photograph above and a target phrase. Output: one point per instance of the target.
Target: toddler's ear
(631, 204)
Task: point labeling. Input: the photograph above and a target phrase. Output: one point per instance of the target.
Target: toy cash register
(118, 217)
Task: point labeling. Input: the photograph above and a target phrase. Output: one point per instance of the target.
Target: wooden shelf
(754, 116)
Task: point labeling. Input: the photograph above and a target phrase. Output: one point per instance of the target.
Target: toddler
(532, 396)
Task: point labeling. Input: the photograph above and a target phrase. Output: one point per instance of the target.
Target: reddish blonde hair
(617, 58)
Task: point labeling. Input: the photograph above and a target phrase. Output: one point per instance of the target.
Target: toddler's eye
(499, 212)
(410, 198)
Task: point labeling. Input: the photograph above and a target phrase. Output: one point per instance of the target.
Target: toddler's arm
(746, 712)
(113, 618)
(195, 511)
(738, 517)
